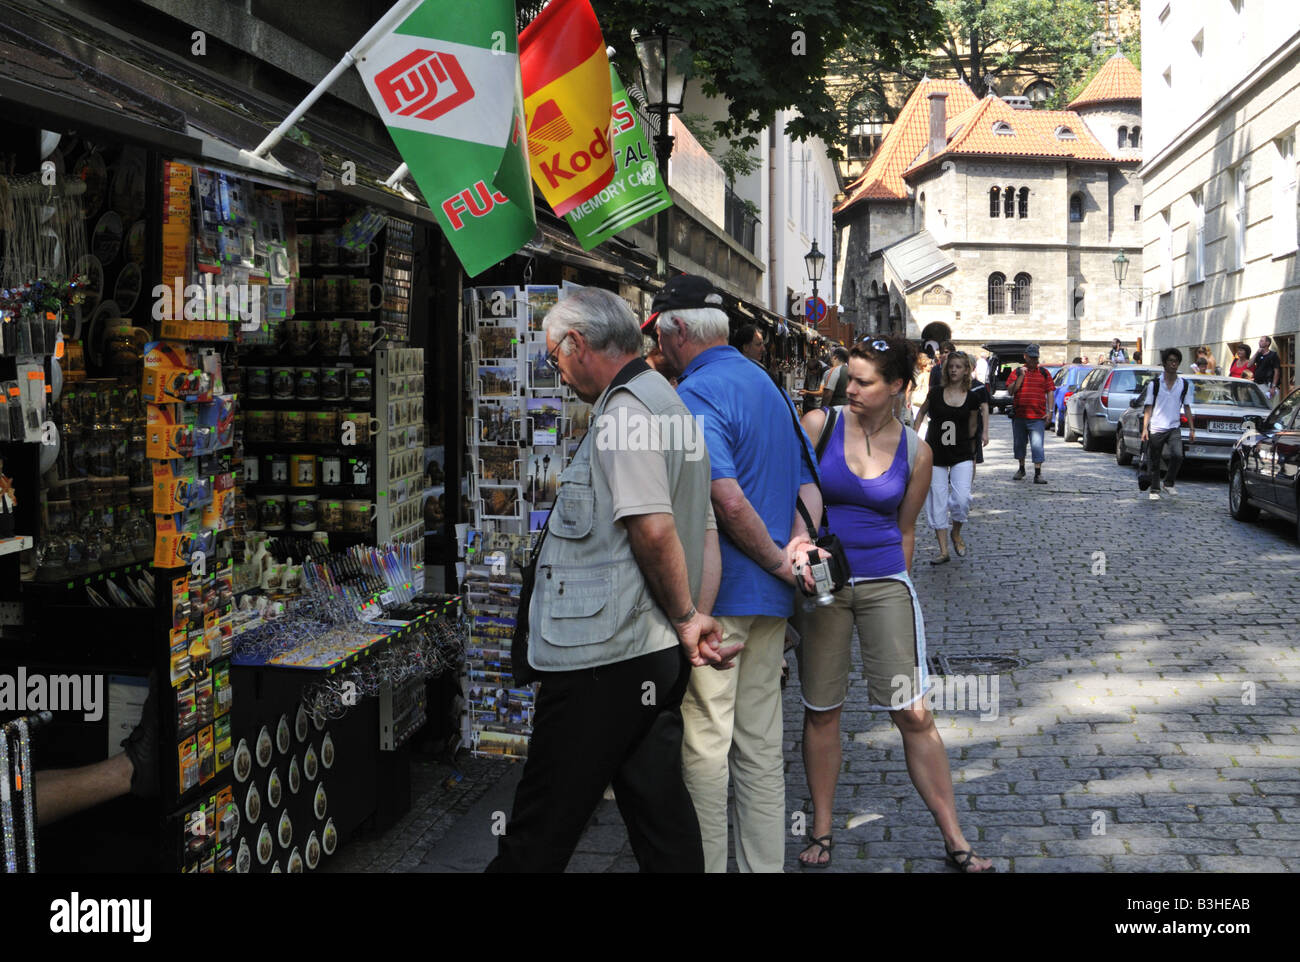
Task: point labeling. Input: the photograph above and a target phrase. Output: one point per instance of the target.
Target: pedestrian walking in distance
(1117, 353)
(760, 464)
(833, 383)
(1165, 399)
(1032, 390)
(1267, 367)
(1241, 366)
(875, 475)
(953, 408)
(628, 556)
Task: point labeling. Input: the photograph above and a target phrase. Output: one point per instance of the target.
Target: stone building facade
(1220, 224)
(1008, 222)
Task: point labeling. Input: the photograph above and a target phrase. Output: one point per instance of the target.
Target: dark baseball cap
(683, 292)
(1031, 350)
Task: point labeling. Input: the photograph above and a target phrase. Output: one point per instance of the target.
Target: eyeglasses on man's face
(553, 356)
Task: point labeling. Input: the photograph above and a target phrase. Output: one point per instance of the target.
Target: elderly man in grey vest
(627, 554)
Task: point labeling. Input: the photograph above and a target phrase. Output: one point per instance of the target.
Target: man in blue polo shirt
(732, 719)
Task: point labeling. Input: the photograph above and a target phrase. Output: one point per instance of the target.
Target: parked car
(1094, 409)
(1265, 464)
(1006, 357)
(1220, 409)
(1068, 379)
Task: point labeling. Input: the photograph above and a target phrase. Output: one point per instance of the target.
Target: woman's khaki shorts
(891, 636)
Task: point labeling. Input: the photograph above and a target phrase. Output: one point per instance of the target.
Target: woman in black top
(954, 410)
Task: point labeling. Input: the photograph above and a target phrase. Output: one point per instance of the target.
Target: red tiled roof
(883, 178)
(1118, 79)
(1033, 134)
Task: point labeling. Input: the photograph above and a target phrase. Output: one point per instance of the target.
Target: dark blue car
(1068, 379)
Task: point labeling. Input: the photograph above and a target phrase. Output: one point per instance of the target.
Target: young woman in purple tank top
(872, 500)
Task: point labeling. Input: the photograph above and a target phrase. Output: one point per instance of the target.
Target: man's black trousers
(617, 725)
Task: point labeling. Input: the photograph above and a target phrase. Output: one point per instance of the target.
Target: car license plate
(1225, 427)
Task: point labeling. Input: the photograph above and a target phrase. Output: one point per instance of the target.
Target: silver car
(1219, 406)
(1094, 410)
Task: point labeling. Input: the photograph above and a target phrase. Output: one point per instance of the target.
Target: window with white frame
(1237, 225)
(1284, 196)
(1166, 278)
(1196, 239)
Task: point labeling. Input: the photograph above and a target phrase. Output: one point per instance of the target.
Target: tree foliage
(984, 43)
(768, 55)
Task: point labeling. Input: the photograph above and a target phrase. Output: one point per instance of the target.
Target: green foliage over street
(773, 55)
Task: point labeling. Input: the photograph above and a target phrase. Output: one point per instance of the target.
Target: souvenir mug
(358, 470)
(361, 386)
(333, 387)
(270, 512)
(363, 423)
(358, 515)
(359, 256)
(329, 515)
(330, 470)
(306, 243)
(323, 427)
(259, 383)
(329, 336)
(363, 294)
(304, 298)
(327, 248)
(302, 512)
(308, 383)
(299, 335)
(302, 470)
(292, 426)
(283, 382)
(277, 469)
(259, 426)
(327, 293)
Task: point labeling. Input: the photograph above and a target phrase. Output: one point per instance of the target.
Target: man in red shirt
(1031, 389)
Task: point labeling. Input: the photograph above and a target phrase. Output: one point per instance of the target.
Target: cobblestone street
(1149, 723)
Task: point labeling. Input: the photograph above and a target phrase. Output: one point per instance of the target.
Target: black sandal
(961, 860)
(824, 844)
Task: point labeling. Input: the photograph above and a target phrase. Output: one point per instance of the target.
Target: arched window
(1135, 137)
(1009, 202)
(1024, 201)
(997, 293)
(1076, 208)
(995, 197)
(1022, 294)
(875, 290)
(921, 209)
(1123, 137)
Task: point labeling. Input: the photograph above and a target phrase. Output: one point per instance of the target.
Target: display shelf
(19, 542)
(347, 654)
(81, 580)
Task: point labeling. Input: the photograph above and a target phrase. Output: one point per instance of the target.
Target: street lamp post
(1121, 264)
(663, 59)
(815, 260)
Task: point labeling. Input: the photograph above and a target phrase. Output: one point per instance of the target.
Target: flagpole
(395, 15)
(397, 176)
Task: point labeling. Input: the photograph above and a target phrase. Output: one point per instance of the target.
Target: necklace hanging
(867, 434)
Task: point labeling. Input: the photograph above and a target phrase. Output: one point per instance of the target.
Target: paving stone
(1239, 863)
(1078, 863)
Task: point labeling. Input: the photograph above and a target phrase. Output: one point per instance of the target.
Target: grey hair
(601, 316)
(700, 324)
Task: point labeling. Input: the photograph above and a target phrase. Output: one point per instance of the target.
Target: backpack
(1155, 391)
(840, 393)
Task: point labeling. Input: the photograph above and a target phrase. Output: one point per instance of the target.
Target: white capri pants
(949, 498)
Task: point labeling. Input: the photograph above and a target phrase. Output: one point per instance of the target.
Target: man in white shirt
(982, 368)
(1166, 399)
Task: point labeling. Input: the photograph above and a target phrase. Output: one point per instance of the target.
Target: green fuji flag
(446, 82)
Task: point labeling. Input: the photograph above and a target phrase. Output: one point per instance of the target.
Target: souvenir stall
(524, 426)
(213, 432)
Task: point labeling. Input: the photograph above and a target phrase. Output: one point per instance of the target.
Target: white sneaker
(1153, 496)
(1169, 489)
